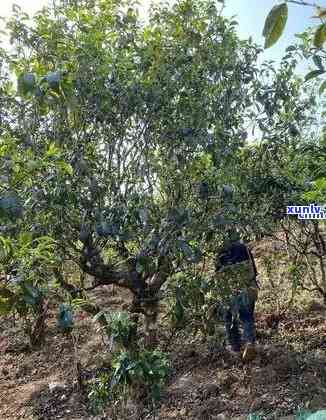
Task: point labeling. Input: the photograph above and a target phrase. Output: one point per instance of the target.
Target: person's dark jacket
(235, 253)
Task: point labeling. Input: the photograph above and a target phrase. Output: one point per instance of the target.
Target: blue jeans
(243, 310)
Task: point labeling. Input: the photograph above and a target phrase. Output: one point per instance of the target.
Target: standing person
(236, 281)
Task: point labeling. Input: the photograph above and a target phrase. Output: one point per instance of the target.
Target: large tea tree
(109, 127)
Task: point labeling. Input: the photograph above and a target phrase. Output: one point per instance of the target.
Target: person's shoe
(249, 353)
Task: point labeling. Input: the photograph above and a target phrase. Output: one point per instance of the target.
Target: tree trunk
(151, 315)
(38, 329)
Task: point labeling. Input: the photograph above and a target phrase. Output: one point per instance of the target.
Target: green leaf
(99, 315)
(275, 24)
(322, 87)
(5, 248)
(291, 48)
(319, 415)
(5, 306)
(65, 167)
(318, 62)
(25, 238)
(78, 302)
(53, 151)
(32, 165)
(320, 36)
(254, 417)
(313, 74)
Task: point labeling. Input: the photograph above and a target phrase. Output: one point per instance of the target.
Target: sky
(250, 14)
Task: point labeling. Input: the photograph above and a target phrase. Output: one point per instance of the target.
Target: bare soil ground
(206, 383)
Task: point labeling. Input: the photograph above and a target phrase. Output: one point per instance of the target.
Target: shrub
(119, 328)
(140, 375)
